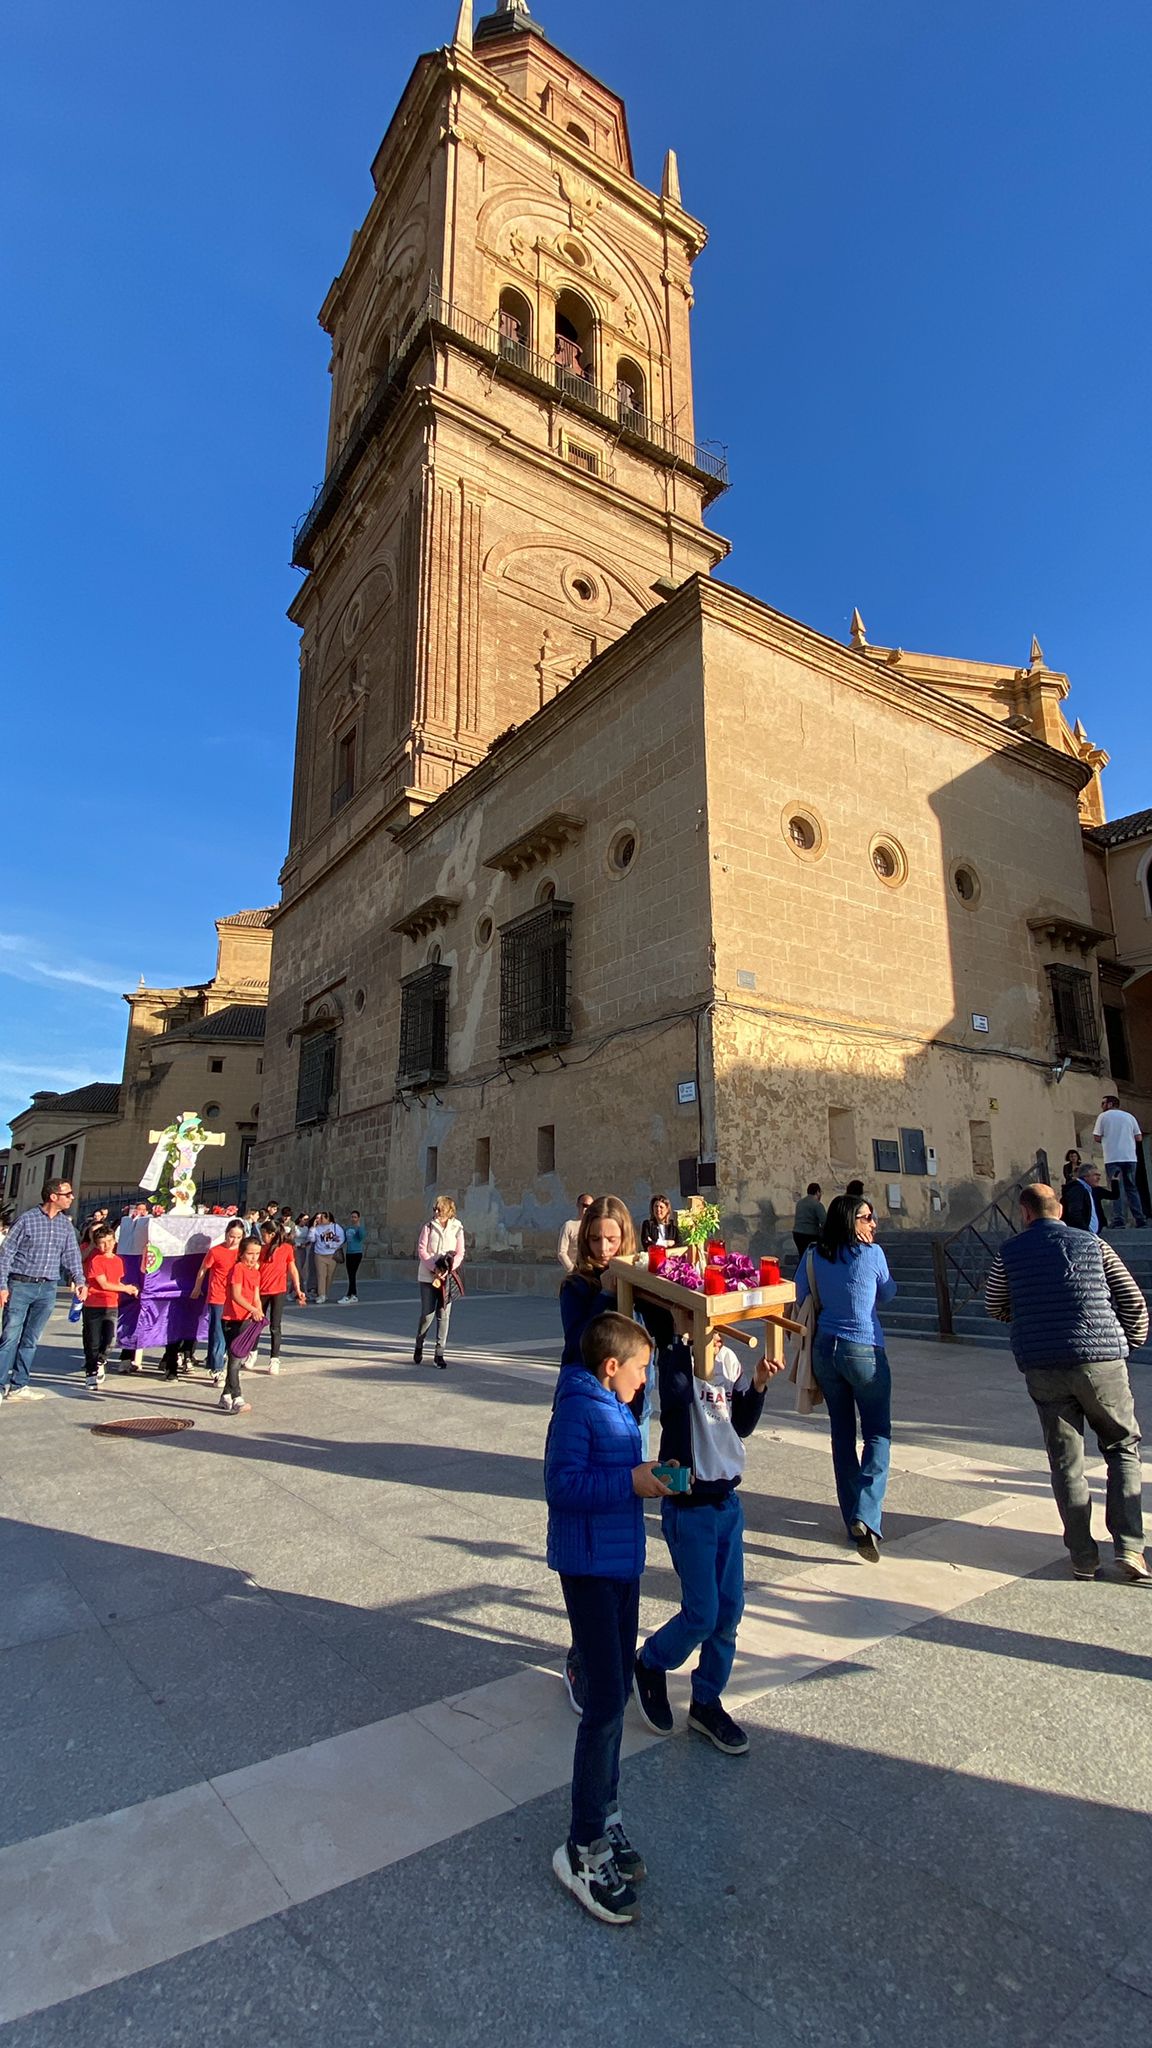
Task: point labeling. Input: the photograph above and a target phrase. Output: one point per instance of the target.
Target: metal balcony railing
(438, 317)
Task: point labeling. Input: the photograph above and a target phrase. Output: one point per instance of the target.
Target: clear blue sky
(921, 327)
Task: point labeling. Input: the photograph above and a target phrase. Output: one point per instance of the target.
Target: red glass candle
(714, 1281)
(769, 1272)
(657, 1253)
(715, 1249)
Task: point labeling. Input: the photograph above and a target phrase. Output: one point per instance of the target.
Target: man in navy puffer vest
(1075, 1310)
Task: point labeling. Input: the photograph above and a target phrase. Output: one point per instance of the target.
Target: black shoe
(441, 1361)
(574, 1682)
(866, 1542)
(418, 1355)
(650, 1692)
(590, 1874)
(629, 1862)
(172, 1374)
(718, 1726)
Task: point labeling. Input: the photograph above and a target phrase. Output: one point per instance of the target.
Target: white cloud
(55, 1077)
(20, 961)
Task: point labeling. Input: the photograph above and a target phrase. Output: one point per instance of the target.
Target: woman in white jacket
(440, 1250)
(327, 1238)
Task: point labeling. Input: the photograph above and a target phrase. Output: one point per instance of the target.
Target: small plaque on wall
(685, 1092)
(979, 1021)
(885, 1155)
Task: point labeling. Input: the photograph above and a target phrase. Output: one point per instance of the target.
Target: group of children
(597, 1477)
(248, 1279)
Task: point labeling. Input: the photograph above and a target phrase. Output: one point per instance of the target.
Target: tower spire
(859, 638)
(1036, 659)
(670, 183)
(462, 40)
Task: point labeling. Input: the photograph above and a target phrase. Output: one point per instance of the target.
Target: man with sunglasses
(38, 1244)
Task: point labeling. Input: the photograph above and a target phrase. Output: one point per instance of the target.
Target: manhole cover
(143, 1425)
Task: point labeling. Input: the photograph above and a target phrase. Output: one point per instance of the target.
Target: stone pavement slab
(331, 1619)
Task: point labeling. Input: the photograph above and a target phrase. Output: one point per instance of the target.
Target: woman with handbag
(848, 1273)
(440, 1251)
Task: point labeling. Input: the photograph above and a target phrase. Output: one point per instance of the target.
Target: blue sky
(921, 328)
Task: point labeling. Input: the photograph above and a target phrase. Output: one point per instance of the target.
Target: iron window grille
(1074, 1014)
(535, 991)
(318, 1075)
(424, 1027)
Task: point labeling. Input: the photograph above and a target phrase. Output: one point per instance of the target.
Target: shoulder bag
(798, 1345)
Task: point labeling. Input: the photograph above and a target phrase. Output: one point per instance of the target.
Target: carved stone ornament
(427, 916)
(1064, 931)
(541, 843)
(582, 196)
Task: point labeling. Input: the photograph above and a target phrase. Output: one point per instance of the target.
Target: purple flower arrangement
(740, 1272)
(682, 1273)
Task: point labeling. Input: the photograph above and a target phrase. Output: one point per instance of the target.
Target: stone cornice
(757, 620)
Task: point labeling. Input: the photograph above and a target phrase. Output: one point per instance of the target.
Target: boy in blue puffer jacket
(595, 1480)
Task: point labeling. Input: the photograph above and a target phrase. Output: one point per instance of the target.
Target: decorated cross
(171, 1169)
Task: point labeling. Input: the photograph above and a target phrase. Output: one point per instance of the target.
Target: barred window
(318, 1075)
(424, 1026)
(535, 997)
(1074, 1013)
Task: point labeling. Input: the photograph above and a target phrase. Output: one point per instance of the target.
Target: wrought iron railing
(424, 1027)
(960, 1262)
(543, 373)
(535, 980)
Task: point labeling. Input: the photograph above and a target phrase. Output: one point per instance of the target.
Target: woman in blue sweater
(848, 1274)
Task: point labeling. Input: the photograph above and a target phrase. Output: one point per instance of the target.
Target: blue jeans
(1123, 1174)
(604, 1615)
(29, 1305)
(217, 1350)
(854, 1378)
(707, 1546)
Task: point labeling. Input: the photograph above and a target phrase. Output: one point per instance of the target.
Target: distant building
(199, 1047)
(601, 873)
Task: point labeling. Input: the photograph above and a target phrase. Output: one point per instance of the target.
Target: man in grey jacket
(1075, 1311)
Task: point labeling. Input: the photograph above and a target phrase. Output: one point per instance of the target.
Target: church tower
(512, 472)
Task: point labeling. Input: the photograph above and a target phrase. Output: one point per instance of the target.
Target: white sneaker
(273, 1365)
(23, 1394)
(100, 1375)
(225, 1403)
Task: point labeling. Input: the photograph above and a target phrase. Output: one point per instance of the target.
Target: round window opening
(582, 589)
(484, 930)
(546, 893)
(965, 884)
(358, 1001)
(622, 851)
(211, 1109)
(888, 861)
(802, 833)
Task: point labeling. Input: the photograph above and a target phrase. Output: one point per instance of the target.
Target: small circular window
(966, 882)
(888, 861)
(484, 930)
(210, 1109)
(622, 850)
(582, 589)
(803, 831)
(358, 1001)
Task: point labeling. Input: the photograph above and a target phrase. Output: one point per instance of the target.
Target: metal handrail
(960, 1262)
(439, 315)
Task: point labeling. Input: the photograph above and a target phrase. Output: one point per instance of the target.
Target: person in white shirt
(566, 1243)
(327, 1239)
(1119, 1134)
(440, 1250)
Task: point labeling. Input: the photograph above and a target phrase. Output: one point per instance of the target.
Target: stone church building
(602, 873)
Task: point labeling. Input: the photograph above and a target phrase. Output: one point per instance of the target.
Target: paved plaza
(287, 1751)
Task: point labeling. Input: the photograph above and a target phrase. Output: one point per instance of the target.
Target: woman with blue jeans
(848, 1273)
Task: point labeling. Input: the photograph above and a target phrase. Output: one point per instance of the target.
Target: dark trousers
(352, 1265)
(802, 1243)
(604, 1616)
(232, 1381)
(1067, 1398)
(98, 1329)
(435, 1307)
(274, 1310)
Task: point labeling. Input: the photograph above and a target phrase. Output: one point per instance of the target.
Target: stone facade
(815, 908)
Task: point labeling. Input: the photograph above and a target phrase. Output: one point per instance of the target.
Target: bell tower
(512, 473)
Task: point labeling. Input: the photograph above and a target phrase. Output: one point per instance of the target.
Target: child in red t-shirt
(278, 1273)
(104, 1273)
(216, 1269)
(242, 1306)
